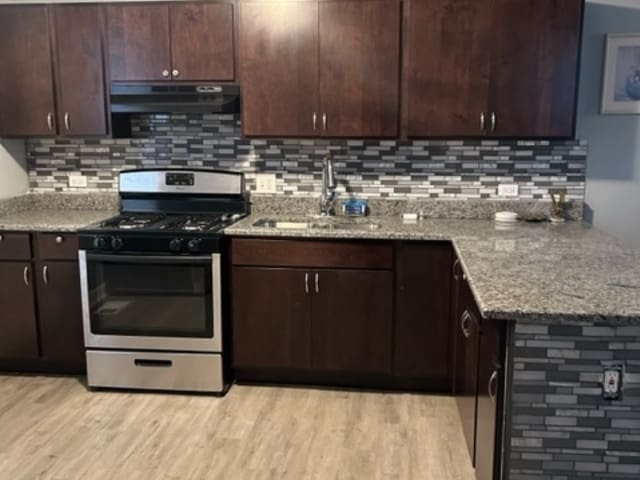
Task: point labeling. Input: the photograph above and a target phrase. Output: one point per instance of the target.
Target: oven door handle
(146, 259)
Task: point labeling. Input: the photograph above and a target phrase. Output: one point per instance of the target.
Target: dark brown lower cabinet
(478, 379)
(271, 318)
(18, 324)
(422, 312)
(352, 320)
(60, 315)
(490, 401)
(466, 369)
(315, 305)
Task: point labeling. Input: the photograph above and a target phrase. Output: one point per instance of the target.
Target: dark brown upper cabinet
(320, 68)
(27, 105)
(500, 68)
(181, 41)
(47, 46)
(82, 106)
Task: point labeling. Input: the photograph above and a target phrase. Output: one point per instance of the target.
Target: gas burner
(132, 221)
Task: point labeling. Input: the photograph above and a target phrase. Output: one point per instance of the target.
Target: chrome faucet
(328, 195)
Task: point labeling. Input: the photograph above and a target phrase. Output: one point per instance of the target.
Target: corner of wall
(14, 179)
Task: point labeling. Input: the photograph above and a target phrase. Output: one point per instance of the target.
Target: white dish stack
(506, 217)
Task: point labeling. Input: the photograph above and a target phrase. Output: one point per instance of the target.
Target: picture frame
(621, 79)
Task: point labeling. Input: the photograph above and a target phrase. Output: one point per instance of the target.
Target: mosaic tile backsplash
(365, 168)
(562, 428)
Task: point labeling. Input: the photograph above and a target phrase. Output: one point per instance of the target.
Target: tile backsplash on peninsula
(452, 169)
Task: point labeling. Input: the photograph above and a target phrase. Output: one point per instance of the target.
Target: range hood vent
(148, 98)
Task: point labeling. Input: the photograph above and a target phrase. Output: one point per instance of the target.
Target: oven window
(143, 298)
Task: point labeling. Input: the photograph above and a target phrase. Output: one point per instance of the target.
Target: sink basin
(316, 224)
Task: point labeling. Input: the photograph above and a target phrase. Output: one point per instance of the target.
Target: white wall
(613, 165)
(13, 169)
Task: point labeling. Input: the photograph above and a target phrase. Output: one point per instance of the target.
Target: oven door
(169, 303)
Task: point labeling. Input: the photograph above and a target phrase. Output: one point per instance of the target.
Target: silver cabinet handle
(166, 73)
(464, 323)
(45, 275)
(50, 121)
(59, 240)
(317, 283)
(67, 121)
(494, 121)
(315, 121)
(306, 283)
(492, 384)
(175, 72)
(455, 269)
(483, 122)
(25, 275)
(1, 237)
(324, 122)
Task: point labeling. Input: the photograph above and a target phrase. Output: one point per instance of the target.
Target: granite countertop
(58, 220)
(534, 272)
(55, 211)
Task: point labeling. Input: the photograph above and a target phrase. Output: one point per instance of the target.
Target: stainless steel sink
(316, 224)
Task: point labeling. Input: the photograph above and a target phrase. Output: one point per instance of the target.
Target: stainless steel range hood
(127, 98)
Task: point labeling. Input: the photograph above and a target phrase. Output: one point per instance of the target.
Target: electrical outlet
(265, 183)
(77, 181)
(508, 190)
(612, 381)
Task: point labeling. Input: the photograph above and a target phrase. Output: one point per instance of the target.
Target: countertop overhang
(542, 272)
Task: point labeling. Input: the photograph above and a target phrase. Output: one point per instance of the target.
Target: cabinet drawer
(312, 254)
(15, 246)
(57, 246)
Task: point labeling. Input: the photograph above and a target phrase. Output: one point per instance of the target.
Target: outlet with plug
(612, 381)
(508, 190)
(265, 183)
(77, 181)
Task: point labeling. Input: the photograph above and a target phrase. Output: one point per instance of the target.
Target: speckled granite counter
(55, 212)
(537, 272)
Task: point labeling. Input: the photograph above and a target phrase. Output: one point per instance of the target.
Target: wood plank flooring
(54, 428)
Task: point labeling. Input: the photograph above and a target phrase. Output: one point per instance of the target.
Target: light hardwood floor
(53, 428)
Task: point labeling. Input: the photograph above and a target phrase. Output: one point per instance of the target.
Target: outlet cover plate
(265, 183)
(77, 181)
(508, 190)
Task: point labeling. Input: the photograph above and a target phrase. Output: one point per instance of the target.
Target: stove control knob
(175, 245)
(99, 243)
(116, 243)
(194, 245)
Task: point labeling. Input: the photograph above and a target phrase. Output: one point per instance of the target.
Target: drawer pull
(1, 237)
(25, 275)
(464, 323)
(141, 362)
(317, 283)
(306, 283)
(45, 275)
(492, 386)
(59, 240)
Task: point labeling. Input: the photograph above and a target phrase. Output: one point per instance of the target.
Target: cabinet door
(271, 318)
(359, 68)
(139, 44)
(80, 70)
(26, 82)
(352, 321)
(534, 68)
(279, 68)
(202, 41)
(422, 320)
(18, 331)
(490, 393)
(446, 66)
(60, 310)
(468, 335)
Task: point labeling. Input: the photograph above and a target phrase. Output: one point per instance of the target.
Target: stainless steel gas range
(152, 281)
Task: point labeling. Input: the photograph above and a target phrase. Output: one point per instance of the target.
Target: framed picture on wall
(621, 85)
